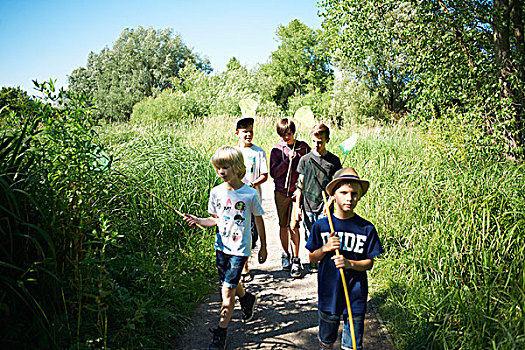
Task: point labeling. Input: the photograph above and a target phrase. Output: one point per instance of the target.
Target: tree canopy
(300, 64)
(141, 63)
(438, 56)
(16, 100)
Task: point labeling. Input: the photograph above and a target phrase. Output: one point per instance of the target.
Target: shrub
(89, 259)
(196, 96)
(269, 109)
(353, 102)
(46, 177)
(319, 102)
(169, 105)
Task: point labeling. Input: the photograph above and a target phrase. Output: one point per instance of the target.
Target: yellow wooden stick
(341, 272)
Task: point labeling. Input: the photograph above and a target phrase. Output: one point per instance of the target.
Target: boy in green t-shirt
(316, 170)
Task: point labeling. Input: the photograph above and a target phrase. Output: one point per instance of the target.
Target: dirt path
(286, 314)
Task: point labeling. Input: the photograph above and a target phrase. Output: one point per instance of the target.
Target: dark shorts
(329, 326)
(308, 221)
(229, 268)
(284, 209)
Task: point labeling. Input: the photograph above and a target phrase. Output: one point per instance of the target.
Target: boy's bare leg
(245, 269)
(283, 233)
(296, 239)
(228, 303)
(240, 292)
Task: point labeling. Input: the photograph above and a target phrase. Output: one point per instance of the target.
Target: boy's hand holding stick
(333, 244)
(263, 254)
(191, 220)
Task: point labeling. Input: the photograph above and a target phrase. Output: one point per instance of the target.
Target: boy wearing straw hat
(231, 206)
(358, 242)
(284, 158)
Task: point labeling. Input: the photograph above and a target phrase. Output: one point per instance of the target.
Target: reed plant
(168, 265)
(453, 231)
(452, 228)
(126, 272)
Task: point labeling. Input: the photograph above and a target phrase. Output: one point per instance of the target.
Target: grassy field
(452, 276)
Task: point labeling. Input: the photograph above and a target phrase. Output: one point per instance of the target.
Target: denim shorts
(329, 326)
(229, 268)
(308, 221)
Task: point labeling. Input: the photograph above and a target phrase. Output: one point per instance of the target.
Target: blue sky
(43, 39)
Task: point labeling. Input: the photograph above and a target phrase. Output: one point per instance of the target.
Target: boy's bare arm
(358, 265)
(259, 223)
(192, 220)
(260, 180)
(298, 194)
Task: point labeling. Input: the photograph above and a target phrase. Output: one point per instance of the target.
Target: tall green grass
(88, 259)
(452, 273)
(165, 268)
(129, 271)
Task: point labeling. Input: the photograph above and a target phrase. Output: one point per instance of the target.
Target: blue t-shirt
(234, 210)
(359, 241)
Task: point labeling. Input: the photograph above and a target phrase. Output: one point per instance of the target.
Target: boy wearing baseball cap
(256, 171)
(358, 243)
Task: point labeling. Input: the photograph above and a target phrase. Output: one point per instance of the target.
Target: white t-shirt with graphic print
(234, 210)
(256, 165)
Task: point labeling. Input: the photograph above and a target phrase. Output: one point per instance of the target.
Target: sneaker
(285, 262)
(219, 339)
(248, 303)
(314, 267)
(323, 346)
(295, 271)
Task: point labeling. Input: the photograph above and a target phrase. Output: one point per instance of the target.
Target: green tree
(234, 64)
(16, 100)
(300, 64)
(449, 59)
(141, 63)
(364, 40)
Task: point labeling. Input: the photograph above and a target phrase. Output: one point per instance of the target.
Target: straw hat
(346, 174)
